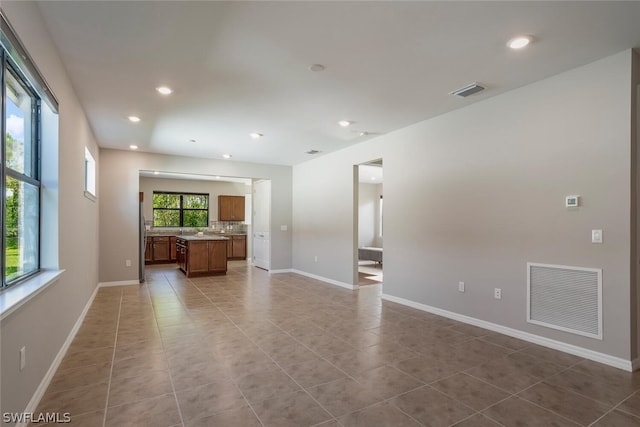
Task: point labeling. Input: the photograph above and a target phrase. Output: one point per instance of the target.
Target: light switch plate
(596, 236)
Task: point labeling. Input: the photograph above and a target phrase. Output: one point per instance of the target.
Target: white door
(261, 224)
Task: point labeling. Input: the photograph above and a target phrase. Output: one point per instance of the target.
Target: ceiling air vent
(312, 151)
(463, 92)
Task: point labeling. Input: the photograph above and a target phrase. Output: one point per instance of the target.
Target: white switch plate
(127, 263)
(596, 236)
(461, 286)
(283, 228)
(497, 293)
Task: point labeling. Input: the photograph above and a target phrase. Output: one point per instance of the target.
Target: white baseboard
(286, 270)
(118, 283)
(35, 399)
(326, 279)
(606, 359)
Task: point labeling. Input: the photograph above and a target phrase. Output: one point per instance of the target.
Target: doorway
(370, 204)
(261, 222)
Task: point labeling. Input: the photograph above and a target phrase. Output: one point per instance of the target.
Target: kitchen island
(202, 255)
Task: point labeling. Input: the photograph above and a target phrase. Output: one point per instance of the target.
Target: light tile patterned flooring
(250, 349)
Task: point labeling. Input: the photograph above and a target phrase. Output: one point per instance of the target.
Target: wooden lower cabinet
(238, 247)
(160, 249)
(148, 251)
(202, 257)
(172, 249)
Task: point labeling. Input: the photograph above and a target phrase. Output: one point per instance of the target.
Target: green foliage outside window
(180, 210)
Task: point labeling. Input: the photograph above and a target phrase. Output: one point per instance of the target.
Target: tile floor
(250, 349)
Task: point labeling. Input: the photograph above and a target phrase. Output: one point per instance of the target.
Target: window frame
(8, 65)
(89, 175)
(181, 208)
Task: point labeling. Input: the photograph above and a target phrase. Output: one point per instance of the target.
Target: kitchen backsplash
(226, 226)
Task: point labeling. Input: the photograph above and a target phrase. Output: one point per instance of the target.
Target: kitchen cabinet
(172, 249)
(230, 208)
(238, 247)
(148, 251)
(202, 256)
(159, 250)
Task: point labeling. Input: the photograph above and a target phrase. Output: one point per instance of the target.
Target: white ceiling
(241, 67)
(193, 177)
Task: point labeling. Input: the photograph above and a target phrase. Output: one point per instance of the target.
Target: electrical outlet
(497, 293)
(127, 263)
(23, 357)
(460, 286)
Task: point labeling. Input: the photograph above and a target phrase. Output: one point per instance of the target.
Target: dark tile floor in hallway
(253, 349)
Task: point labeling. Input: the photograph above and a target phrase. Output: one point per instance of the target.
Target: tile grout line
(164, 351)
(113, 359)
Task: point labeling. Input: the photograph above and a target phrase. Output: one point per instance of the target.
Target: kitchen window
(20, 170)
(180, 209)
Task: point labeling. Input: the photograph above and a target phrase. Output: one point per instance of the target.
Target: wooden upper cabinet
(230, 208)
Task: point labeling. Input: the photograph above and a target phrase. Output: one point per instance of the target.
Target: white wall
(43, 324)
(634, 299)
(369, 215)
(475, 194)
(119, 186)
(213, 188)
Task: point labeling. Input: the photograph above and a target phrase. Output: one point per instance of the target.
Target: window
(20, 176)
(180, 210)
(89, 173)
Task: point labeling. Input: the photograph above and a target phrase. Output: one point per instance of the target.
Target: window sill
(90, 196)
(16, 296)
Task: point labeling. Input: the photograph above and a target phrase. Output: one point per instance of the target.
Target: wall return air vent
(463, 92)
(565, 298)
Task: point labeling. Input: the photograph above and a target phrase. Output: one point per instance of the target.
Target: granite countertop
(203, 237)
(178, 234)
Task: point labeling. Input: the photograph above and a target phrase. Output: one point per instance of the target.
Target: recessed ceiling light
(227, 156)
(256, 135)
(317, 67)
(345, 123)
(373, 178)
(164, 90)
(133, 147)
(519, 42)
(217, 176)
(156, 173)
(134, 119)
(364, 133)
